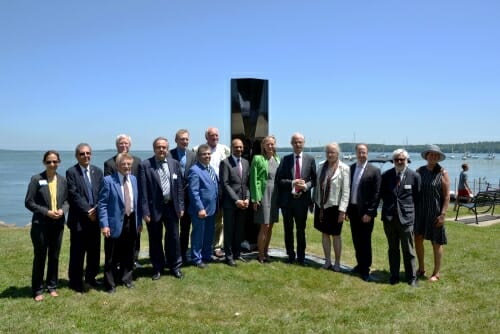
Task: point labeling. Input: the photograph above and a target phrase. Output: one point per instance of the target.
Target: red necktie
(297, 171)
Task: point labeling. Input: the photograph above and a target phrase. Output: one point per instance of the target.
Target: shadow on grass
(16, 292)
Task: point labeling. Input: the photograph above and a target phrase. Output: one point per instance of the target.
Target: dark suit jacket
(112, 204)
(286, 174)
(233, 186)
(78, 197)
(203, 191)
(110, 166)
(190, 161)
(400, 200)
(368, 190)
(150, 190)
(38, 198)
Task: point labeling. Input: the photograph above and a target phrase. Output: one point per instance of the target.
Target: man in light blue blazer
(120, 221)
(203, 193)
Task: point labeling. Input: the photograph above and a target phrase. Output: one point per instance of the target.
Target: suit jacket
(339, 188)
(111, 204)
(203, 191)
(400, 200)
(286, 174)
(233, 186)
(368, 190)
(110, 166)
(38, 198)
(190, 161)
(151, 193)
(78, 197)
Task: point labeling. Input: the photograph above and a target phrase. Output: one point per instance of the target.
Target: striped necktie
(212, 174)
(165, 179)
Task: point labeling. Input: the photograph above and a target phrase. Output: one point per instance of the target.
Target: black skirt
(329, 224)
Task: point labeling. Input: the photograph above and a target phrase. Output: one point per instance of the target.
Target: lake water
(17, 167)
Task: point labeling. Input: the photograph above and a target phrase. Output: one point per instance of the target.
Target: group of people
(201, 188)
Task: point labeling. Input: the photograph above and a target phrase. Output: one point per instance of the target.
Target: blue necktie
(89, 186)
(212, 174)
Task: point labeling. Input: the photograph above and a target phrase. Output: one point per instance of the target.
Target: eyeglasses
(400, 160)
(51, 162)
(82, 154)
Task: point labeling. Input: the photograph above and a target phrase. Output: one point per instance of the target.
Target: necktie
(212, 174)
(89, 186)
(398, 179)
(126, 196)
(240, 168)
(297, 171)
(164, 178)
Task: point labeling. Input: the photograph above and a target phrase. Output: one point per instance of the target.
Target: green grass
(274, 298)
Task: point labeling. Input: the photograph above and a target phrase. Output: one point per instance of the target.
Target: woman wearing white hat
(431, 209)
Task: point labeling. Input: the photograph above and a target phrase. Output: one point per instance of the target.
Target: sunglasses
(50, 162)
(399, 160)
(82, 154)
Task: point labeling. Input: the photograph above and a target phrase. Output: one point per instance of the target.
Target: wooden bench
(483, 202)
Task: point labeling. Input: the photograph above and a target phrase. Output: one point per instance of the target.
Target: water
(17, 167)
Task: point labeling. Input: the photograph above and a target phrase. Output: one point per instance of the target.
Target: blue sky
(380, 71)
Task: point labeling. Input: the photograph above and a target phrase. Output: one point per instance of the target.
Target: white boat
(490, 156)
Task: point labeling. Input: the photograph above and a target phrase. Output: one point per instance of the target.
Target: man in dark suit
(123, 143)
(203, 204)
(120, 222)
(399, 192)
(234, 174)
(362, 209)
(84, 183)
(162, 201)
(295, 177)
(187, 159)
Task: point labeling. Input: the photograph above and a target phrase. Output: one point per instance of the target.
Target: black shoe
(156, 276)
(413, 283)
(137, 265)
(177, 274)
(367, 278)
(129, 285)
(111, 291)
(201, 265)
(231, 263)
(393, 280)
(241, 258)
(290, 260)
(302, 262)
(94, 283)
(76, 287)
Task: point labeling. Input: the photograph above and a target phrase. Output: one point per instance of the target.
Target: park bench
(483, 202)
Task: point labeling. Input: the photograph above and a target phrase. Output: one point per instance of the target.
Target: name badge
(408, 186)
(42, 182)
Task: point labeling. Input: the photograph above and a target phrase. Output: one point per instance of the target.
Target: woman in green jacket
(264, 194)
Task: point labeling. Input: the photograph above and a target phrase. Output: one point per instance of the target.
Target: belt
(297, 195)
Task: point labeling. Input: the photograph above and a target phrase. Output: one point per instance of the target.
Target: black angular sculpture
(249, 113)
(250, 123)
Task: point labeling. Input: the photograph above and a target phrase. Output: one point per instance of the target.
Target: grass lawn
(271, 298)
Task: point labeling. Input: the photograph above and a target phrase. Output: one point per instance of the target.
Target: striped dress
(430, 204)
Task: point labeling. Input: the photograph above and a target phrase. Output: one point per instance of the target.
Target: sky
(374, 71)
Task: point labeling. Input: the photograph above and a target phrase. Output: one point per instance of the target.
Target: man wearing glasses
(399, 192)
(84, 183)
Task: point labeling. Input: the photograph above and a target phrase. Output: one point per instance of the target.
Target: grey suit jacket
(400, 200)
(150, 188)
(110, 166)
(368, 190)
(285, 176)
(38, 198)
(190, 161)
(233, 186)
